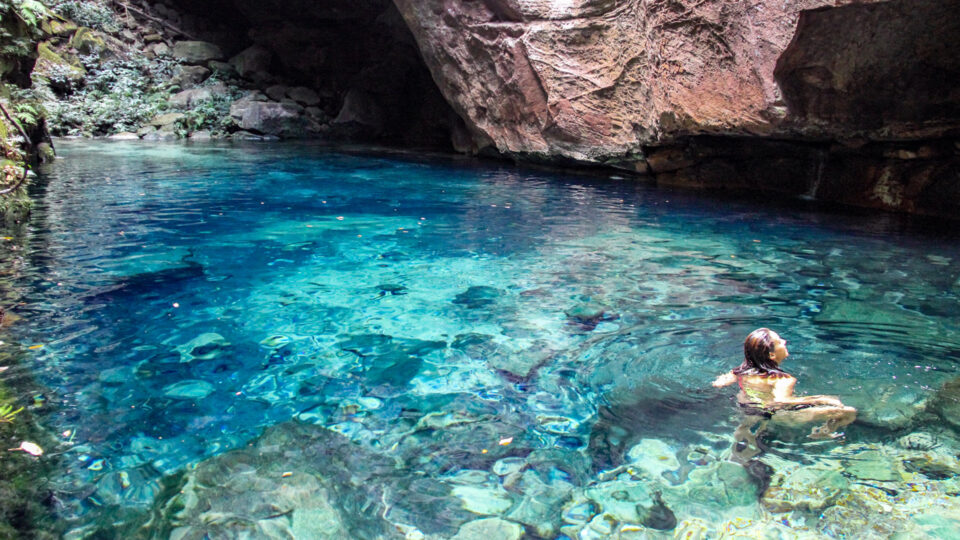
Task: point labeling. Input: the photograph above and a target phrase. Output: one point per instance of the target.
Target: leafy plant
(119, 95)
(91, 13)
(7, 413)
(26, 113)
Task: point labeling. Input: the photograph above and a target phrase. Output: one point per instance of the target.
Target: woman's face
(780, 351)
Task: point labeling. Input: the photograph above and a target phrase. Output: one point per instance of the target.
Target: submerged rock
(191, 389)
(489, 529)
(203, 347)
(477, 297)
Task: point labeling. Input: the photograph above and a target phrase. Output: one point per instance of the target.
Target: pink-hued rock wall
(658, 85)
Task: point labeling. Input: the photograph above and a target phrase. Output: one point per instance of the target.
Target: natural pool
(296, 341)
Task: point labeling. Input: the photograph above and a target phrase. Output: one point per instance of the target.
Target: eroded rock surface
(629, 83)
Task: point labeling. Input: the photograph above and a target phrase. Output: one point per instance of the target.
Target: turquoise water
(411, 344)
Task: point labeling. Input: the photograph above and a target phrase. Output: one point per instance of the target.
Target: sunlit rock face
(657, 85)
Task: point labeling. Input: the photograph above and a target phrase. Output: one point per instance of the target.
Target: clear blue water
(189, 297)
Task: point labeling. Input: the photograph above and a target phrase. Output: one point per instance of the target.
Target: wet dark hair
(756, 355)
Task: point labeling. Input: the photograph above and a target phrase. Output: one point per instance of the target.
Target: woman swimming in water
(766, 391)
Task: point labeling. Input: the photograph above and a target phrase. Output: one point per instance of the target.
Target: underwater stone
(589, 314)
(580, 511)
(190, 389)
(653, 456)
(721, 484)
(946, 402)
(477, 297)
(920, 440)
(505, 466)
(624, 501)
(872, 465)
(489, 529)
(203, 347)
(391, 288)
(810, 488)
(484, 500)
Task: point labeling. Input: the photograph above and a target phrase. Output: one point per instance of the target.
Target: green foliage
(20, 26)
(27, 114)
(30, 12)
(210, 114)
(119, 95)
(7, 413)
(91, 13)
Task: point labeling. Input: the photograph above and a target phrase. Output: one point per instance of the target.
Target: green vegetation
(89, 13)
(7, 413)
(119, 95)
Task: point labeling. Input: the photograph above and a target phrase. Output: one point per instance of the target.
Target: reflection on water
(374, 345)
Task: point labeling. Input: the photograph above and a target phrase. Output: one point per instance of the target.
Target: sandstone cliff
(812, 92)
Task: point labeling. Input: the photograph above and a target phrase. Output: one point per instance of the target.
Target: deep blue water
(187, 297)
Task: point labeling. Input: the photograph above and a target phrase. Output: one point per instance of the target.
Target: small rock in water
(489, 529)
(590, 314)
(189, 389)
(477, 297)
(660, 517)
(273, 342)
(394, 289)
(203, 347)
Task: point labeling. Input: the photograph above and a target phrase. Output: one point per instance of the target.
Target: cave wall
(847, 100)
(854, 101)
(358, 55)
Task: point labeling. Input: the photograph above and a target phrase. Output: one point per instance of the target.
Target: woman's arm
(783, 393)
(726, 379)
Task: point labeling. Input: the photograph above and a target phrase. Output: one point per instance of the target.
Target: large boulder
(614, 82)
(594, 78)
(255, 59)
(270, 118)
(196, 52)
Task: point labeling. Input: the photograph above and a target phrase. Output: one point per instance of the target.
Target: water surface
(484, 340)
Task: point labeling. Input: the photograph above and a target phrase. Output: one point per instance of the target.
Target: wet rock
(295, 481)
(269, 118)
(542, 499)
(589, 314)
(660, 517)
(723, 483)
(624, 501)
(919, 441)
(124, 136)
(489, 529)
(190, 389)
(477, 297)
(946, 403)
(872, 465)
(203, 347)
(654, 457)
(196, 52)
(480, 492)
(252, 60)
(202, 135)
(166, 119)
(893, 407)
(393, 289)
(160, 136)
(806, 488)
(145, 130)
